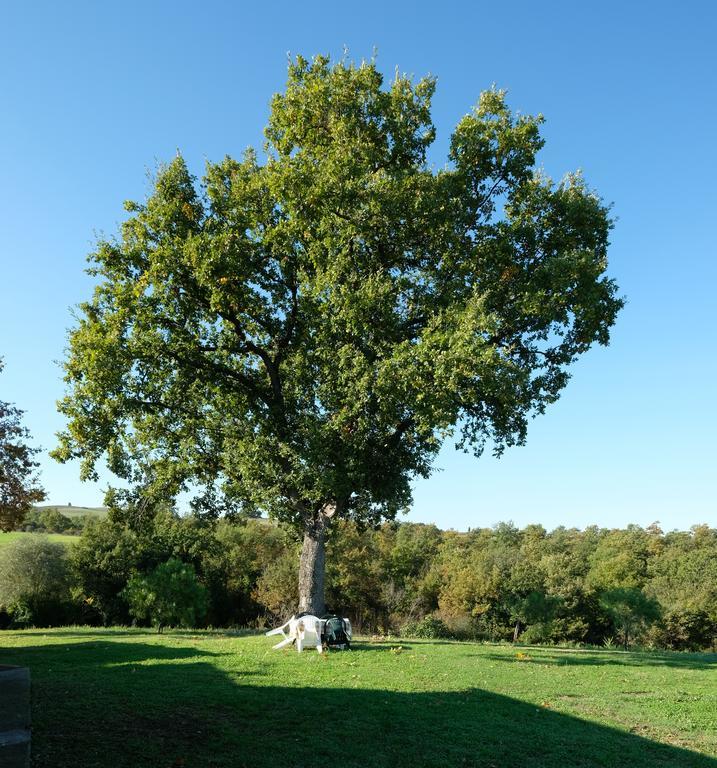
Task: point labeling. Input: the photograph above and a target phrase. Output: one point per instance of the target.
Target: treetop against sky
(631, 436)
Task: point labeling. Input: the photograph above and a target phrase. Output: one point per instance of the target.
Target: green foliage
(620, 560)
(531, 608)
(480, 585)
(301, 333)
(19, 486)
(167, 596)
(102, 561)
(53, 521)
(355, 580)
(684, 576)
(242, 554)
(686, 630)
(110, 551)
(34, 583)
(429, 627)
(629, 608)
(276, 588)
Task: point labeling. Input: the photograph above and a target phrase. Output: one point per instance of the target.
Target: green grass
(60, 538)
(133, 698)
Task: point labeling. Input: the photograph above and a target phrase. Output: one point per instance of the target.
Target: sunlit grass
(59, 538)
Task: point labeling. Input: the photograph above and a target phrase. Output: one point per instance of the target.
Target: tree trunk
(313, 561)
(516, 631)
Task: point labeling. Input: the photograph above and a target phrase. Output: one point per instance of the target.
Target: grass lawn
(61, 538)
(182, 699)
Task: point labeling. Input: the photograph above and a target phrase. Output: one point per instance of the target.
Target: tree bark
(312, 563)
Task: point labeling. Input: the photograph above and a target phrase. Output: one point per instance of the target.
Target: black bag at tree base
(334, 634)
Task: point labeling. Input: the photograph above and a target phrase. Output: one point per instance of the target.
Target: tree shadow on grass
(596, 658)
(386, 647)
(98, 704)
(128, 632)
(96, 654)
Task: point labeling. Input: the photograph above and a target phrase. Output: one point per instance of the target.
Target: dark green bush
(34, 583)
(168, 596)
(429, 628)
(687, 631)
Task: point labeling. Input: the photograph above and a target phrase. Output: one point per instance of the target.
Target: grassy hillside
(74, 511)
(61, 538)
(215, 699)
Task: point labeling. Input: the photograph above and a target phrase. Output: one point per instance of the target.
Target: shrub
(430, 628)
(34, 586)
(276, 589)
(103, 559)
(53, 521)
(630, 609)
(542, 633)
(170, 595)
(685, 631)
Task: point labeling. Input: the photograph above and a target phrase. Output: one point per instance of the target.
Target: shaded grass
(131, 698)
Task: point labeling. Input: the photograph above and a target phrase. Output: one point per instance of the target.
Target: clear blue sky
(92, 95)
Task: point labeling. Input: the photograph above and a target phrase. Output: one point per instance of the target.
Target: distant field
(74, 511)
(61, 538)
(131, 698)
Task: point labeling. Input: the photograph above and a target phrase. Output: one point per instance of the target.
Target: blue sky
(93, 95)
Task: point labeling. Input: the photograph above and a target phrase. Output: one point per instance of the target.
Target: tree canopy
(300, 332)
(19, 487)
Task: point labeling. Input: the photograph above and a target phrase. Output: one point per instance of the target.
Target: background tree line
(597, 586)
(51, 520)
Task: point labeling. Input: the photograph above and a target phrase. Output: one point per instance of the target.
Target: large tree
(19, 487)
(301, 332)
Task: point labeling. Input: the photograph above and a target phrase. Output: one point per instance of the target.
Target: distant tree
(244, 550)
(276, 588)
(110, 550)
(526, 609)
(355, 586)
(687, 630)
(620, 559)
(302, 333)
(407, 552)
(414, 547)
(565, 563)
(102, 561)
(629, 608)
(19, 487)
(170, 595)
(53, 521)
(523, 595)
(684, 575)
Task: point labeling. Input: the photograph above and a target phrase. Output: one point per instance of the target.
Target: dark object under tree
(301, 334)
